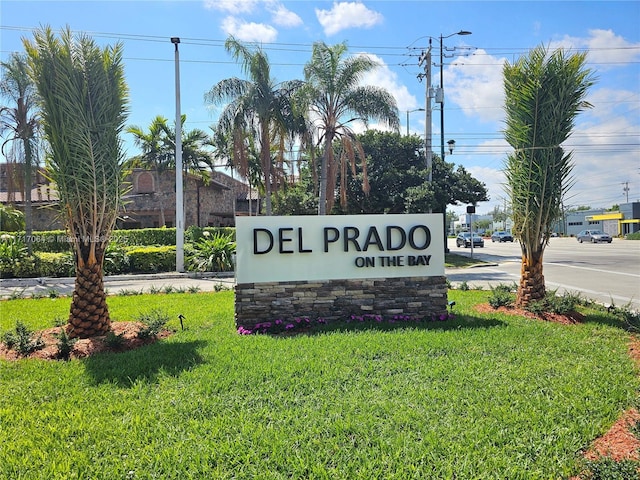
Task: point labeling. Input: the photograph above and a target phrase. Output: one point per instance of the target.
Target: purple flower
(278, 322)
(289, 326)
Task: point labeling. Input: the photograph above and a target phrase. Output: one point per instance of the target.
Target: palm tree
(84, 106)
(257, 108)
(22, 122)
(335, 97)
(154, 155)
(159, 152)
(543, 95)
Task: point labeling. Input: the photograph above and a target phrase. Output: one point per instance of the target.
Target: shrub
(55, 264)
(501, 296)
(116, 259)
(565, 303)
(113, 340)
(153, 322)
(213, 254)
(144, 236)
(609, 469)
(21, 340)
(152, 259)
(65, 344)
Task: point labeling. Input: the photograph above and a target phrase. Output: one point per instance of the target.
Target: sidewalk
(204, 282)
(116, 284)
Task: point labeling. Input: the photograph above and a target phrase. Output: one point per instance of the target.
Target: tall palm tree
(257, 108)
(544, 92)
(20, 123)
(335, 97)
(84, 107)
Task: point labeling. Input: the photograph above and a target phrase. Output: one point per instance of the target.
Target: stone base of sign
(417, 297)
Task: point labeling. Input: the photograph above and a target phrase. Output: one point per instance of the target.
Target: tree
(398, 179)
(335, 98)
(21, 124)
(84, 105)
(154, 152)
(159, 151)
(544, 92)
(257, 110)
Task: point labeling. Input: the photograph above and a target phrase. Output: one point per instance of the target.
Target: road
(605, 272)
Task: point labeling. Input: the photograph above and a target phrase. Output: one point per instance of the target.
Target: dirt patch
(87, 346)
(569, 318)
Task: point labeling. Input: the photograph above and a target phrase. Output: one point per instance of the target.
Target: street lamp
(411, 111)
(440, 99)
(179, 187)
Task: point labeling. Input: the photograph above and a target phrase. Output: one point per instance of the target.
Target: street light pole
(179, 185)
(411, 111)
(440, 99)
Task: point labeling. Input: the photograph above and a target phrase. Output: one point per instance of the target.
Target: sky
(606, 138)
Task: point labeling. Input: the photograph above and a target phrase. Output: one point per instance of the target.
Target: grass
(452, 260)
(477, 397)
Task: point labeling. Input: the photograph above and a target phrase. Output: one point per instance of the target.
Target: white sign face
(334, 247)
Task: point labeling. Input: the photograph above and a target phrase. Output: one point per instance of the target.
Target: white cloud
(475, 84)
(249, 31)
(384, 77)
(345, 15)
(282, 16)
(232, 6)
(605, 48)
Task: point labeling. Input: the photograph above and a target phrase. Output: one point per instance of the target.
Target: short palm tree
(257, 109)
(20, 123)
(84, 97)
(544, 92)
(335, 98)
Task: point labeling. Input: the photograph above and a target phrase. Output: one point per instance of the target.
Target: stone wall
(419, 297)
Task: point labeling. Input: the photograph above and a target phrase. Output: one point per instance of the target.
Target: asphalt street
(606, 273)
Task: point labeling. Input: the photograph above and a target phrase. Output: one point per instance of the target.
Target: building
(214, 200)
(616, 223)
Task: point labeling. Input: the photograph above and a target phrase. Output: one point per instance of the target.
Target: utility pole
(626, 190)
(428, 151)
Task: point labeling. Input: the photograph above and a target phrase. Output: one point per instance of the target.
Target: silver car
(594, 236)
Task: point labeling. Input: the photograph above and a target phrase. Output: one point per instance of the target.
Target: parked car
(464, 240)
(501, 237)
(593, 236)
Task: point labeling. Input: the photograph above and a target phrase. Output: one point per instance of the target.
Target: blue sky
(606, 142)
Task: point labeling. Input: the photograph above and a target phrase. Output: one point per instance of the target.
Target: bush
(213, 254)
(501, 296)
(153, 322)
(116, 260)
(152, 259)
(65, 344)
(55, 264)
(633, 236)
(21, 340)
(12, 251)
(194, 234)
(144, 236)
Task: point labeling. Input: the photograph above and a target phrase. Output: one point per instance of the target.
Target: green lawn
(478, 397)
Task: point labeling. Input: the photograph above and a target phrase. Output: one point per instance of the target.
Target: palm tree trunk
(324, 169)
(531, 287)
(89, 314)
(28, 217)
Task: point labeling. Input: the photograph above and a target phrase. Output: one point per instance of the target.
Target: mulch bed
(86, 347)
